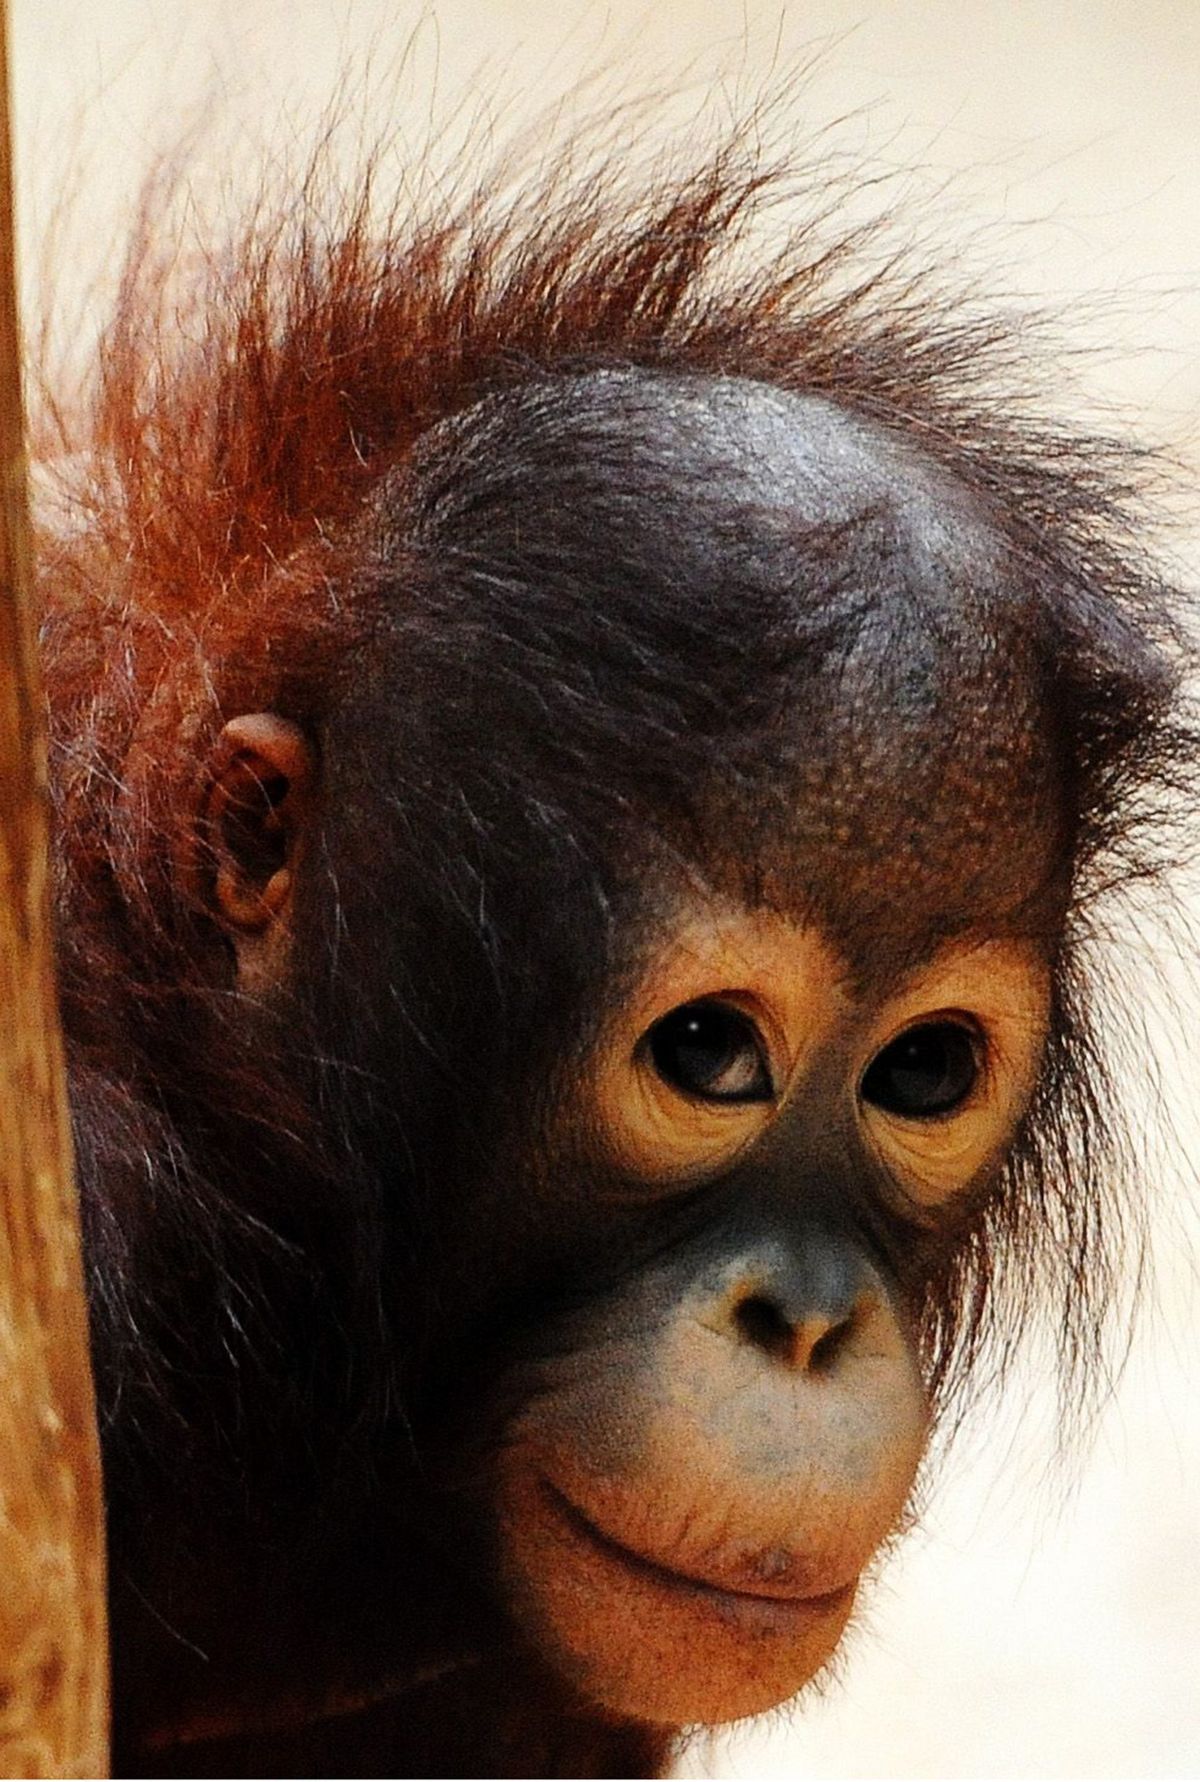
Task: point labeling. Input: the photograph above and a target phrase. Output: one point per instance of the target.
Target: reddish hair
(245, 406)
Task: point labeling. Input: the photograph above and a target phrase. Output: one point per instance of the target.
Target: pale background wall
(1044, 1623)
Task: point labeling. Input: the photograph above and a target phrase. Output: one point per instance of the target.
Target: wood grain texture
(53, 1639)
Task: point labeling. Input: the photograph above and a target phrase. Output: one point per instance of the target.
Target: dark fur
(277, 1200)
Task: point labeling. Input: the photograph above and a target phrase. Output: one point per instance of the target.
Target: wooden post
(53, 1636)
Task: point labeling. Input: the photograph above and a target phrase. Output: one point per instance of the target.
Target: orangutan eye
(926, 1071)
(712, 1052)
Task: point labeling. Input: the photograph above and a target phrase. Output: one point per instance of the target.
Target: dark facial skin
(716, 1449)
(702, 1405)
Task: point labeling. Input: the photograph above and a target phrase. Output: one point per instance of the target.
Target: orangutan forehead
(926, 790)
(910, 779)
(906, 802)
(800, 622)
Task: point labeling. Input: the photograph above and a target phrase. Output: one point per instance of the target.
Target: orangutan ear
(254, 826)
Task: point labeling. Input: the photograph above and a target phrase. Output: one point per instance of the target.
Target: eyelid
(731, 1003)
(935, 1157)
(980, 1087)
(948, 1017)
